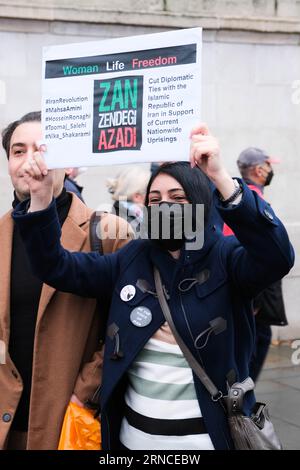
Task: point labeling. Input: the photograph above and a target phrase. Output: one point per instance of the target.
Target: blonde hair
(130, 181)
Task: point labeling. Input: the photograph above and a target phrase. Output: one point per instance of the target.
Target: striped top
(162, 410)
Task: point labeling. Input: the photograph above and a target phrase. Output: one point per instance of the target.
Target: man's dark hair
(34, 116)
(195, 183)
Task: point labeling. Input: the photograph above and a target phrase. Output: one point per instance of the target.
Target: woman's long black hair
(195, 183)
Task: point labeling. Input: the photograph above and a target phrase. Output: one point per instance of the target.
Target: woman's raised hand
(205, 153)
(205, 150)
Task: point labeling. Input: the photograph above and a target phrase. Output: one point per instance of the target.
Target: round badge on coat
(127, 293)
(141, 316)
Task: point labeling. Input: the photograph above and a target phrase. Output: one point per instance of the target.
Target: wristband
(238, 190)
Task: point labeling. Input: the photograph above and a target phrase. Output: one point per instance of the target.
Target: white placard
(124, 100)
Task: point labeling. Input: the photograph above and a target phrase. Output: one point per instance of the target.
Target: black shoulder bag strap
(95, 239)
(215, 394)
(96, 245)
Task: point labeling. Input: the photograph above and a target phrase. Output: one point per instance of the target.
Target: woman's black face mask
(165, 225)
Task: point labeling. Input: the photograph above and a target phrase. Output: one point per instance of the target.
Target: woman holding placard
(150, 397)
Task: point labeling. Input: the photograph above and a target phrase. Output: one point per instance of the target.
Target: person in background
(128, 191)
(70, 182)
(255, 166)
(154, 166)
(150, 398)
(52, 338)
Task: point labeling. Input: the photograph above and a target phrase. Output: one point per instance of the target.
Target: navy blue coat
(239, 267)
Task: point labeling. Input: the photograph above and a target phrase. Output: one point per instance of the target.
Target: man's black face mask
(165, 225)
(269, 178)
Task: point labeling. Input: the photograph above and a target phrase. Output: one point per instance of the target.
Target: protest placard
(124, 100)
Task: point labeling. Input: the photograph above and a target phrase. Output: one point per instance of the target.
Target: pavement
(279, 386)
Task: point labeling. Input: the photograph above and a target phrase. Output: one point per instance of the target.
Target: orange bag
(80, 430)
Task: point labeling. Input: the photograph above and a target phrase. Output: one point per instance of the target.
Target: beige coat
(66, 354)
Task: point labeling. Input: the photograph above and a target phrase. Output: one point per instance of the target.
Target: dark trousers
(17, 440)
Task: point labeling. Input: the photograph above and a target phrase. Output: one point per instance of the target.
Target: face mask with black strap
(165, 225)
(269, 178)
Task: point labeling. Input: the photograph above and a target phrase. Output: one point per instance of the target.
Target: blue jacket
(236, 268)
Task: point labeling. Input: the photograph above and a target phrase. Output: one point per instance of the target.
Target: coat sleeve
(84, 274)
(116, 233)
(89, 378)
(260, 253)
